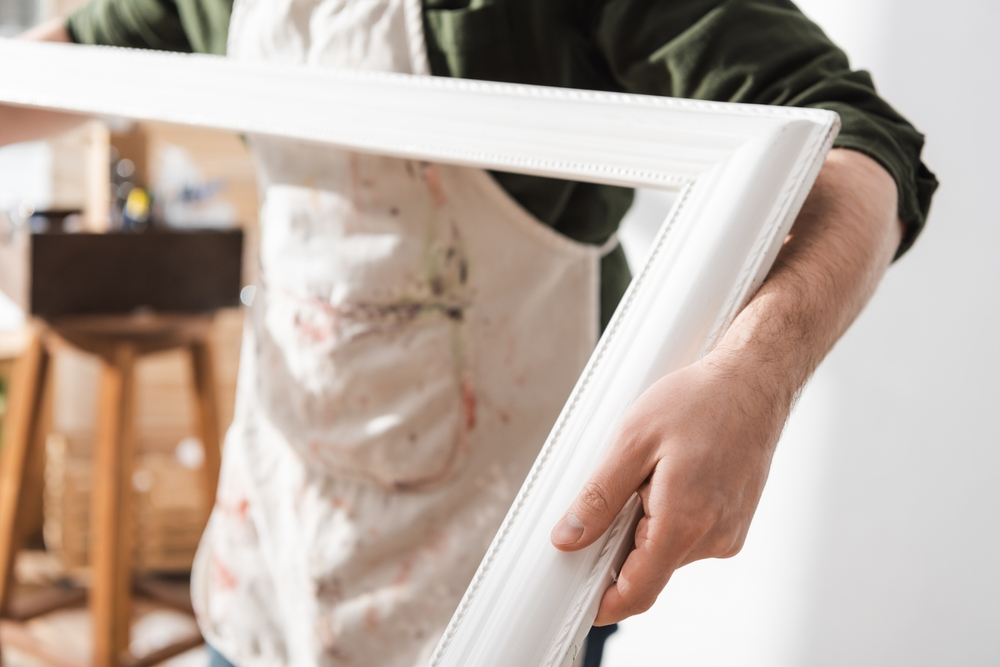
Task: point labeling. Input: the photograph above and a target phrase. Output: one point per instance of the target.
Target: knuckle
(702, 524)
(636, 599)
(632, 438)
(643, 604)
(595, 499)
(727, 543)
(709, 514)
(735, 547)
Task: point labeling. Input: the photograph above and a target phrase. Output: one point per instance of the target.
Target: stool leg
(207, 415)
(111, 510)
(20, 434)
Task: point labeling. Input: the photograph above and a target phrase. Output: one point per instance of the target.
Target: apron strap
(608, 246)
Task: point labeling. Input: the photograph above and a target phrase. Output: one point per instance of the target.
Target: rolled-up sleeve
(166, 25)
(763, 52)
(142, 24)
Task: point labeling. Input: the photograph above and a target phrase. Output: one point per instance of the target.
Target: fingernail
(568, 531)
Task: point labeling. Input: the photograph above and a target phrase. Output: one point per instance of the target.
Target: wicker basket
(169, 518)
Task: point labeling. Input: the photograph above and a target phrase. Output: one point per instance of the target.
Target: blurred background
(179, 179)
(878, 537)
(16, 15)
(877, 541)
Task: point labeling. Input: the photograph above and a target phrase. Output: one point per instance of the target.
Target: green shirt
(752, 51)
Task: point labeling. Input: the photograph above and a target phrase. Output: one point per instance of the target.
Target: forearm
(53, 30)
(838, 250)
(24, 124)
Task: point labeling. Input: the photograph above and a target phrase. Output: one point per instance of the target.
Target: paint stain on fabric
(314, 329)
(469, 405)
(318, 322)
(330, 590)
(403, 576)
(222, 576)
(372, 620)
(432, 177)
(328, 632)
(239, 509)
(437, 542)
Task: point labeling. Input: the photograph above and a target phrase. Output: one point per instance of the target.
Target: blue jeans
(215, 659)
(591, 658)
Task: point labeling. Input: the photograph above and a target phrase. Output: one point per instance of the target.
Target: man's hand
(697, 445)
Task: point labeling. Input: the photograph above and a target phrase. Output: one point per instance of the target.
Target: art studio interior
(498, 333)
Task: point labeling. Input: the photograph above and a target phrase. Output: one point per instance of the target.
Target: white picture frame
(742, 173)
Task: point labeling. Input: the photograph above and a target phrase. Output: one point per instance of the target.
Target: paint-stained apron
(413, 338)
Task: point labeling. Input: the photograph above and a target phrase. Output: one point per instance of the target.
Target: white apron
(413, 339)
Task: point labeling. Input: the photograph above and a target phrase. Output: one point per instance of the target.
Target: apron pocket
(377, 391)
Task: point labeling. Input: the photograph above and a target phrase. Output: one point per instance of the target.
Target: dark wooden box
(55, 274)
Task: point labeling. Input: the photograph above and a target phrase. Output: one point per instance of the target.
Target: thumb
(619, 475)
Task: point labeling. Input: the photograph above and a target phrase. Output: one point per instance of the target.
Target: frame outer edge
(761, 255)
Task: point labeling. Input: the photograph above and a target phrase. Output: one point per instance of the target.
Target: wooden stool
(119, 341)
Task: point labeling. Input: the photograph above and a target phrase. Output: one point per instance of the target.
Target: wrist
(828, 268)
(762, 378)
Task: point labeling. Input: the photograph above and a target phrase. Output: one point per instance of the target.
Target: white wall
(877, 541)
